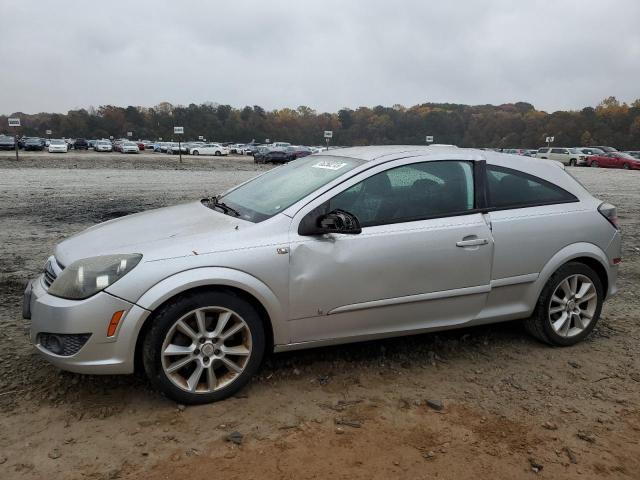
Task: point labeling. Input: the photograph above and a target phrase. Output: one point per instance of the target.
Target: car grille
(51, 271)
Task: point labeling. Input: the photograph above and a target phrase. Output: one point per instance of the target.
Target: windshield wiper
(226, 209)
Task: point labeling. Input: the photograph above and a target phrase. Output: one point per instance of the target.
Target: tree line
(511, 125)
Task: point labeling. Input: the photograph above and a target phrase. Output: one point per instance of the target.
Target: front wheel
(195, 152)
(569, 306)
(572, 162)
(204, 347)
(218, 153)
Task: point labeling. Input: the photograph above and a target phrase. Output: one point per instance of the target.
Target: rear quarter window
(508, 188)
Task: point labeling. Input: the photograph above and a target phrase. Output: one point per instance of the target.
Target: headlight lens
(89, 276)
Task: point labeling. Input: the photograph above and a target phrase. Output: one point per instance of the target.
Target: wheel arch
(582, 252)
(251, 289)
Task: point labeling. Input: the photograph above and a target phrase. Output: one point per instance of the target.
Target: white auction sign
(178, 130)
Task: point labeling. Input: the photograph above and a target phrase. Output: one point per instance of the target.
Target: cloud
(562, 54)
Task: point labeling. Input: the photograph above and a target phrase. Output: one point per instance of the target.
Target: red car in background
(614, 160)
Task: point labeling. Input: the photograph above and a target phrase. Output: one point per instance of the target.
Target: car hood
(181, 230)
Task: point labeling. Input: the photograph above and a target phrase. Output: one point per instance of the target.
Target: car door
(423, 259)
(615, 161)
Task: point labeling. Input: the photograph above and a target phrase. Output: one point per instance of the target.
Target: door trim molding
(515, 280)
(456, 292)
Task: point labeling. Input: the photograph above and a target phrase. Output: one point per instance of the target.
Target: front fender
(219, 276)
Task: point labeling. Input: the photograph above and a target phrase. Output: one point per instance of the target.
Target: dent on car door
(423, 258)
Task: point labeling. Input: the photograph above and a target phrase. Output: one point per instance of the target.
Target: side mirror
(336, 221)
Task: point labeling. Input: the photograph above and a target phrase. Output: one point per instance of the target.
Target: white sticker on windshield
(329, 165)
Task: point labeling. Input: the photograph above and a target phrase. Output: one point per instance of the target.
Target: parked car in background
(117, 145)
(270, 155)
(140, 145)
(588, 151)
(80, 144)
(634, 153)
(605, 149)
(7, 142)
(293, 258)
(515, 151)
(92, 144)
(34, 143)
(175, 148)
(58, 146)
(103, 146)
(129, 147)
(252, 148)
(614, 160)
(568, 156)
(280, 145)
(209, 149)
(297, 151)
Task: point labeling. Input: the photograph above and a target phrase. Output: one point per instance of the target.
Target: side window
(409, 193)
(512, 189)
(556, 150)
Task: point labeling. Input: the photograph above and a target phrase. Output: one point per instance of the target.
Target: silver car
(348, 245)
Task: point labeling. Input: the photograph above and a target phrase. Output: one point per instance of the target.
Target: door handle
(472, 243)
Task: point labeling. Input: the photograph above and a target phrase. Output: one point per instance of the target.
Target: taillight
(610, 212)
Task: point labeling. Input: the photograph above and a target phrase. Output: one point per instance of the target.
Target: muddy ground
(512, 407)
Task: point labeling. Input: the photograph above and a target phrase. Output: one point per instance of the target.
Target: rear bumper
(100, 354)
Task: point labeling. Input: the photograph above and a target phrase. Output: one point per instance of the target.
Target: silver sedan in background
(352, 244)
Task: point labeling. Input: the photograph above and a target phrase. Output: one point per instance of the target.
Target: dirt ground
(511, 407)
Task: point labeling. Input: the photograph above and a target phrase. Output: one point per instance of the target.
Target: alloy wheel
(573, 305)
(206, 349)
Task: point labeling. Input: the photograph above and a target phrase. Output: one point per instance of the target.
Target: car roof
(546, 169)
(391, 152)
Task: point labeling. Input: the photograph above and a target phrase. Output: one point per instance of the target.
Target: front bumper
(100, 354)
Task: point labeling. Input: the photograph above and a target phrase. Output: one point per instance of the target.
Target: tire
(594, 164)
(164, 330)
(572, 162)
(541, 323)
(195, 152)
(625, 166)
(217, 154)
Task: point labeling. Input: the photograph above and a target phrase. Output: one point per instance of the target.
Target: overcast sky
(561, 54)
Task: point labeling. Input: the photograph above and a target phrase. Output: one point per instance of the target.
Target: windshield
(278, 189)
(57, 142)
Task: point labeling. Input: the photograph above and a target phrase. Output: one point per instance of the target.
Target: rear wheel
(218, 153)
(569, 306)
(594, 164)
(195, 152)
(204, 347)
(625, 166)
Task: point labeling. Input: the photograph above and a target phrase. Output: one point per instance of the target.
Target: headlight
(89, 276)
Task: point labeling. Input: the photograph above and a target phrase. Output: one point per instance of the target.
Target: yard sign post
(15, 122)
(328, 135)
(179, 131)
